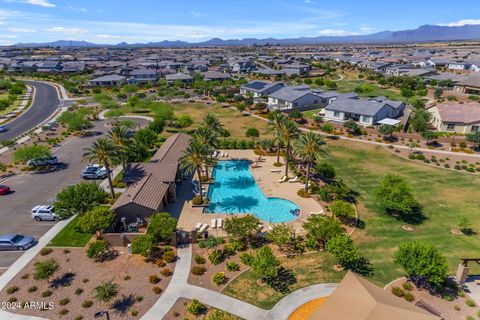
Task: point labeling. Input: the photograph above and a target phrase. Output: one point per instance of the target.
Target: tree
(336, 189)
(325, 171)
(184, 121)
(157, 125)
(420, 120)
(161, 226)
(309, 148)
(146, 137)
(144, 245)
(387, 130)
(211, 121)
(265, 264)
(242, 228)
(193, 159)
(274, 126)
(281, 235)
(121, 138)
(133, 102)
(98, 250)
(438, 93)
(96, 220)
(342, 210)
(320, 229)
(106, 291)
(342, 248)
(79, 198)
(395, 195)
(474, 137)
(428, 135)
(103, 151)
(44, 270)
(24, 154)
(289, 132)
(252, 133)
(353, 127)
(114, 114)
(421, 260)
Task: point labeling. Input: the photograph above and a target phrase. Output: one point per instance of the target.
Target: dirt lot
(131, 273)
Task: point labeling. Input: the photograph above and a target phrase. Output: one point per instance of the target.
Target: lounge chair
(213, 223)
(220, 154)
(203, 227)
(219, 223)
(275, 170)
(226, 155)
(284, 179)
(214, 154)
(198, 225)
(293, 180)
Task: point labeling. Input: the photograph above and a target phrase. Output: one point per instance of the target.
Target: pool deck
(268, 183)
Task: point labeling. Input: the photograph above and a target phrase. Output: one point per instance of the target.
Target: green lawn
(70, 237)
(443, 194)
(345, 86)
(14, 105)
(307, 269)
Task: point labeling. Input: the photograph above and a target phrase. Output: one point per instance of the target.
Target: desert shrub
(196, 307)
(133, 312)
(199, 259)
(154, 279)
(229, 249)
(157, 290)
(138, 298)
(232, 266)
(166, 272)
(199, 270)
(98, 249)
(470, 303)
(78, 291)
(64, 301)
(398, 291)
(246, 258)
(87, 304)
(47, 293)
(408, 296)
(12, 299)
(219, 278)
(407, 286)
(160, 263)
(215, 257)
(32, 289)
(12, 289)
(63, 312)
(45, 251)
(169, 256)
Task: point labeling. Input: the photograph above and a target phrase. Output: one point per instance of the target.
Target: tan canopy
(358, 299)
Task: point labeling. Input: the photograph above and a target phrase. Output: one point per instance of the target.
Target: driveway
(33, 189)
(44, 104)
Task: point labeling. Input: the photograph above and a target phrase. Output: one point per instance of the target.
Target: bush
(232, 266)
(160, 263)
(78, 291)
(138, 298)
(79, 198)
(32, 289)
(199, 270)
(47, 293)
(407, 286)
(63, 312)
(98, 249)
(215, 257)
(420, 157)
(87, 304)
(470, 303)
(45, 269)
(157, 290)
(143, 245)
(64, 301)
(133, 312)
(166, 272)
(408, 296)
(197, 201)
(398, 291)
(229, 249)
(45, 251)
(154, 279)
(246, 258)
(169, 256)
(12, 289)
(196, 307)
(219, 278)
(161, 226)
(199, 259)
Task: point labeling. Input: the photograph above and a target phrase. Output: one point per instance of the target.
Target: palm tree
(211, 121)
(106, 291)
(102, 151)
(193, 160)
(120, 137)
(309, 148)
(289, 132)
(274, 126)
(209, 138)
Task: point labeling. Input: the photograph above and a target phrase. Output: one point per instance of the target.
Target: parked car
(16, 242)
(44, 212)
(3, 129)
(42, 161)
(4, 189)
(94, 172)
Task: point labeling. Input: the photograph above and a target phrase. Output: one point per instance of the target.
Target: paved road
(33, 189)
(44, 104)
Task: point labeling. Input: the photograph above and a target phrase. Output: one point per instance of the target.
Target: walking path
(179, 288)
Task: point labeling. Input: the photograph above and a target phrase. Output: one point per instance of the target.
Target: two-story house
(260, 88)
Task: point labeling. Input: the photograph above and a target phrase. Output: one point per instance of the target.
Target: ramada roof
(459, 113)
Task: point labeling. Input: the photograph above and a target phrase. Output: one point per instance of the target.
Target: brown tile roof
(460, 113)
(358, 299)
(165, 172)
(473, 81)
(148, 192)
(172, 149)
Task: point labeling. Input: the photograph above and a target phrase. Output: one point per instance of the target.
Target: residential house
(459, 66)
(294, 98)
(297, 69)
(459, 118)
(470, 85)
(185, 78)
(242, 66)
(108, 81)
(367, 112)
(216, 76)
(260, 88)
(49, 66)
(143, 76)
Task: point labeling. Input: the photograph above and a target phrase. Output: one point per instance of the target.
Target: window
(336, 114)
(366, 119)
(450, 127)
(475, 128)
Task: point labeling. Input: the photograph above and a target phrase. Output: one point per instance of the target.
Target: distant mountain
(424, 33)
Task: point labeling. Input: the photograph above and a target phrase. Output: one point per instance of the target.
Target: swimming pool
(235, 191)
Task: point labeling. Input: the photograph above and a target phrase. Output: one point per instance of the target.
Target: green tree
(309, 148)
(289, 132)
(106, 292)
(276, 121)
(474, 137)
(342, 248)
(387, 130)
(320, 229)
(265, 264)
(98, 250)
(252, 133)
(103, 151)
(184, 121)
(242, 228)
(353, 127)
(96, 220)
(208, 137)
(144, 245)
(133, 102)
(24, 154)
(396, 196)
(114, 114)
(438, 93)
(146, 137)
(343, 210)
(121, 138)
(193, 159)
(161, 226)
(420, 120)
(281, 235)
(421, 260)
(44, 270)
(325, 171)
(79, 198)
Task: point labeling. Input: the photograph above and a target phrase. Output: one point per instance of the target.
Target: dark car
(4, 189)
(16, 242)
(3, 129)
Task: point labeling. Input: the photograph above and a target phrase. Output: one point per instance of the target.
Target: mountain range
(426, 33)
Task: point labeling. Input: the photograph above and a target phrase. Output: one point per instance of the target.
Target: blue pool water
(235, 191)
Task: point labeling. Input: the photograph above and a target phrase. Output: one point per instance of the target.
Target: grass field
(69, 237)
(443, 195)
(307, 269)
(345, 86)
(14, 105)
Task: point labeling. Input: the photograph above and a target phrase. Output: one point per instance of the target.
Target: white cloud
(40, 3)
(21, 30)
(196, 14)
(367, 29)
(64, 30)
(461, 23)
(336, 33)
(81, 9)
(7, 36)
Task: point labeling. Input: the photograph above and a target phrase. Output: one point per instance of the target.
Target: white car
(44, 212)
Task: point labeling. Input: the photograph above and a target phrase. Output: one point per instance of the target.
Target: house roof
(291, 93)
(178, 76)
(172, 149)
(473, 81)
(148, 192)
(165, 172)
(358, 299)
(110, 77)
(459, 113)
(216, 75)
(259, 86)
(360, 106)
(141, 72)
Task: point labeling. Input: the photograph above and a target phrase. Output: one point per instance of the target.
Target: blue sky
(109, 21)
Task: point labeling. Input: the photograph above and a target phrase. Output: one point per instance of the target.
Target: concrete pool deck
(268, 183)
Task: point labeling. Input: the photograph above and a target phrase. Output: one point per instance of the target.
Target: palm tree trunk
(307, 180)
(110, 183)
(278, 152)
(287, 158)
(199, 172)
